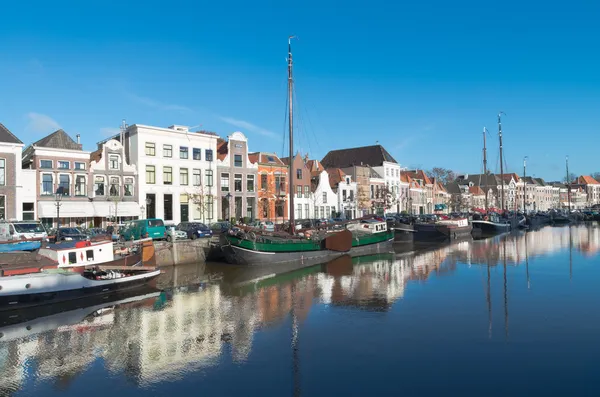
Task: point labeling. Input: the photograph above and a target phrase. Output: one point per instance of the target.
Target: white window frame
(85, 191)
(58, 162)
(125, 183)
(81, 163)
(110, 161)
(2, 172)
(47, 168)
(42, 184)
(103, 183)
(110, 184)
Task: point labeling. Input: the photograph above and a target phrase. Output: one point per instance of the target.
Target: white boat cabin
(368, 226)
(458, 222)
(79, 253)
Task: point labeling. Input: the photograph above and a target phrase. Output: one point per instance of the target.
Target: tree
(459, 202)
(386, 197)
(442, 175)
(571, 178)
(596, 176)
(203, 200)
(363, 198)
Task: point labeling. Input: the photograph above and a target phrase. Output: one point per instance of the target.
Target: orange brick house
(273, 179)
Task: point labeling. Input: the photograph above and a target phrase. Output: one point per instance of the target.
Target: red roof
(336, 175)
(222, 149)
(476, 190)
(587, 180)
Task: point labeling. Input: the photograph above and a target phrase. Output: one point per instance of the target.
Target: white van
(19, 230)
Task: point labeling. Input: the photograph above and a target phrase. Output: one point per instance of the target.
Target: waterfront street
(511, 315)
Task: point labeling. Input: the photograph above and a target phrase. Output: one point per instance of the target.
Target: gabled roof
(222, 149)
(58, 140)
(314, 167)
(529, 180)
(508, 177)
(453, 188)
(418, 174)
(476, 191)
(582, 180)
(336, 175)
(479, 179)
(7, 136)
(540, 181)
(373, 156)
(266, 159)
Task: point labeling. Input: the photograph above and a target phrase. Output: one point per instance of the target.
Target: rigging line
(301, 120)
(312, 129)
(285, 133)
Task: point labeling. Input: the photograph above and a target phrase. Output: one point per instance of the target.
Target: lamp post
(148, 202)
(58, 198)
(228, 197)
(410, 209)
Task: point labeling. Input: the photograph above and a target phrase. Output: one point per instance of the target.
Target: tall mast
(524, 182)
(501, 161)
(291, 131)
(485, 168)
(568, 183)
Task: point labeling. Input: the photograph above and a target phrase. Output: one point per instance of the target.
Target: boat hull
(441, 232)
(403, 234)
(20, 246)
(487, 228)
(242, 256)
(22, 292)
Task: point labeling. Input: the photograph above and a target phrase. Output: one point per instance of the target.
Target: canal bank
(181, 252)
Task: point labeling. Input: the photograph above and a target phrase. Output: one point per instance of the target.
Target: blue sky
(421, 78)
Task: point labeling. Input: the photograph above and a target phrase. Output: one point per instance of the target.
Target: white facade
(347, 193)
(325, 201)
(27, 194)
(390, 172)
(169, 161)
(14, 150)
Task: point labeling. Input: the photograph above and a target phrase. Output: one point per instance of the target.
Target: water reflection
(207, 315)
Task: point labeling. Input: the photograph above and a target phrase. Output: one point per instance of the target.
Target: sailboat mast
(568, 183)
(501, 161)
(485, 168)
(291, 133)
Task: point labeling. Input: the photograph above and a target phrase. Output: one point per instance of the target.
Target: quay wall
(181, 252)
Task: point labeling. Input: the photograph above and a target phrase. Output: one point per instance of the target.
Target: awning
(87, 209)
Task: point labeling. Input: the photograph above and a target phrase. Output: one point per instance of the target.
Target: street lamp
(148, 202)
(58, 198)
(410, 203)
(228, 197)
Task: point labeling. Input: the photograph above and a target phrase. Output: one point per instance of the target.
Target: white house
(12, 201)
(177, 170)
(347, 192)
(325, 200)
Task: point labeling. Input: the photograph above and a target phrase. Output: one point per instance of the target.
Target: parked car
(195, 230)
(220, 227)
(142, 228)
(174, 234)
(70, 234)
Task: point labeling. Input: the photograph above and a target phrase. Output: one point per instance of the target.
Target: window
(306, 211)
(45, 163)
(280, 184)
(167, 175)
(344, 195)
(167, 151)
(208, 154)
(263, 181)
(224, 182)
(72, 258)
(351, 195)
(209, 206)
(113, 162)
(89, 255)
(183, 176)
(28, 211)
(150, 149)
(79, 166)
(299, 173)
(183, 152)
(80, 188)
(324, 197)
(237, 160)
(299, 212)
(2, 172)
(64, 184)
(197, 177)
(197, 154)
(279, 208)
(299, 191)
(209, 178)
(2, 207)
(115, 188)
(99, 186)
(129, 187)
(306, 191)
(372, 191)
(237, 182)
(150, 174)
(250, 183)
(63, 165)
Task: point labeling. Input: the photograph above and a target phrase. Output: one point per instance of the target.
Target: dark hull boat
(453, 229)
(60, 285)
(403, 233)
(489, 228)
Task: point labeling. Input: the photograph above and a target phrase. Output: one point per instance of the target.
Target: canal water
(513, 315)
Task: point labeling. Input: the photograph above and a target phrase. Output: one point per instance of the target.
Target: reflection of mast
(527, 263)
(489, 300)
(295, 356)
(505, 290)
(570, 254)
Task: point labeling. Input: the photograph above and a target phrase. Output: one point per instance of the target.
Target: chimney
(78, 139)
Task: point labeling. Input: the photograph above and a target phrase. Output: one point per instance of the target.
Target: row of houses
(521, 193)
(180, 175)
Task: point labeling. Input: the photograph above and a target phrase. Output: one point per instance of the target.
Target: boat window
(72, 258)
(29, 228)
(155, 222)
(89, 254)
